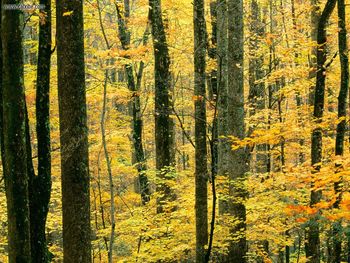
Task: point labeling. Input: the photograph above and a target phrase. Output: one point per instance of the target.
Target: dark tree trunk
(341, 127)
(212, 53)
(312, 248)
(14, 134)
(344, 85)
(137, 123)
(1, 102)
(256, 73)
(73, 132)
(315, 17)
(221, 55)
(40, 185)
(237, 159)
(162, 102)
(201, 172)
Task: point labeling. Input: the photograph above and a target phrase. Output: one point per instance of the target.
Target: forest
(174, 131)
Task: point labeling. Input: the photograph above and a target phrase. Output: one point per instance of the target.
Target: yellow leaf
(68, 13)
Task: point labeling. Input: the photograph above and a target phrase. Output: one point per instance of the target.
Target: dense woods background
(174, 131)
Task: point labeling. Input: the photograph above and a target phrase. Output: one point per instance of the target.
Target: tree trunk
(14, 132)
(201, 172)
(223, 146)
(237, 159)
(40, 185)
(256, 74)
(315, 17)
(341, 127)
(162, 74)
(137, 123)
(2, 149)
(312, 246)
(257, 91)
(73, 132)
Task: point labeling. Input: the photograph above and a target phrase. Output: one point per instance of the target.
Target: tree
(256, 74)
(257, 95)
(223, 145)
(134, 87)
(163, 135)
(201, 172)
(14, 134)
(40, 185)
(2, 149)
(341, 127)
(315, 16)
(73, 132)
(312, 246)
(237, 159)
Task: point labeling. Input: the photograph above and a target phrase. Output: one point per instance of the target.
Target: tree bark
(315, 17)
(40, 185)
(137, 122)
(256, 74)
(73, 132)
(223, 145)
(109, 170)
(162, 74)
(312, 246)
(201, 172)
(14, 134)
(237, 159)
(341, 127)
(2, 147)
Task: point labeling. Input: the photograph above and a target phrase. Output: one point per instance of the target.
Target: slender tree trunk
(73, 132)
(162, 102)
(14, 134)
(137, 122)
(312, 246)
(257, 89)
(315, 17)
(212, 53)
(223, 146)
(237, 159)
(2, 147)
(256, 74)
(40, 185)
(341, 127)
(201, 172)
(109, 170)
